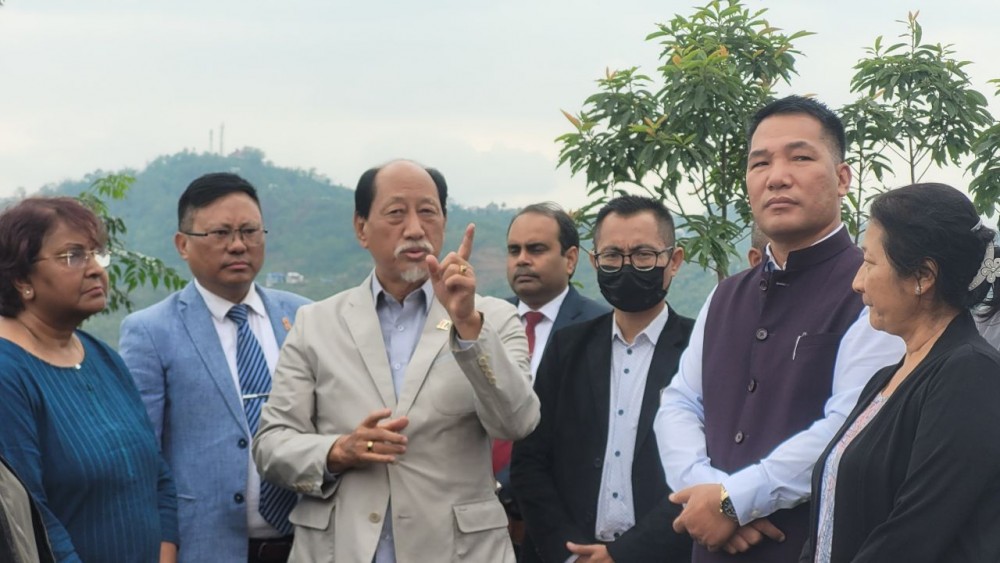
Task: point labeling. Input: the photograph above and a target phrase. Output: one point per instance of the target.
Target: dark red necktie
(501, 448)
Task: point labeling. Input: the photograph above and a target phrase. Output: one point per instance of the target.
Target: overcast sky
(471, 87)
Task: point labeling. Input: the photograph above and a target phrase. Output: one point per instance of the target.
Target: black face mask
(630, 290)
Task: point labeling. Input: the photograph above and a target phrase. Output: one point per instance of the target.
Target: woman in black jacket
(914, 473)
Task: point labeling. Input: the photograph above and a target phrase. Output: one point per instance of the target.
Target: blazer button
(738, 438)
(762, 285)
(752, 386)
(242, 443)
(374, 518)
(761, 334)
(238, 497)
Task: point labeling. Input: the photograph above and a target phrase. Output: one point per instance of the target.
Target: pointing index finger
(465, 249)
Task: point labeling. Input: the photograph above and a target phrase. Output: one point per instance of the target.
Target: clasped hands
(707, 525)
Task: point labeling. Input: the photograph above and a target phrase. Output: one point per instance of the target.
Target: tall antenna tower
(222, 133)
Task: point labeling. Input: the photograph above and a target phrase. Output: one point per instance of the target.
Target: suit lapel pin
(286, 323)
(445, 324)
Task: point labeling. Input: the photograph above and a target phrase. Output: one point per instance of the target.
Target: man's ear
(572, 256)
(673, 264)
(359, 230)
(180, 243)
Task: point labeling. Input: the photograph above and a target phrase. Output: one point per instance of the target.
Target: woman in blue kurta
(914, 473)
(71, 421)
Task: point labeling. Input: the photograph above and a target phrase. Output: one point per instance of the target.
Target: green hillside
(309, 230)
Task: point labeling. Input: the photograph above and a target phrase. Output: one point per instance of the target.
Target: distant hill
(309, 222)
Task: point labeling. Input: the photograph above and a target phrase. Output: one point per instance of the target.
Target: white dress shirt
(260, 325)
(783, 478)
(543, 329)
(629, 370)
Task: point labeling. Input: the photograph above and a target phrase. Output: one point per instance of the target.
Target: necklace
(42, 344)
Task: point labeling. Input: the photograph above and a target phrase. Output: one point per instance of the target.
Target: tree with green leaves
(129, 269)
(683, 138)
(918, 108)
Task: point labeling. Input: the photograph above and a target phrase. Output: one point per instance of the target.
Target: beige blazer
(334, 370)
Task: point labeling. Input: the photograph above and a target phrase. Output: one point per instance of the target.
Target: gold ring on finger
(369, 446)
(462, 269)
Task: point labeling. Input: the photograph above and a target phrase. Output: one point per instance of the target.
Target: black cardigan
(922, 481)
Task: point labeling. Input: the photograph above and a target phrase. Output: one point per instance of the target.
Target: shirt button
(374, 518)
(618, 453)
(399, 328)
(621, 412)
(629, 351)
(761, 334)
(626, 370)
(739, 438)
(242, 443)
(762, 285)
(615, 495)
(617, 534)
(238, 498)
(396, 366)
(752, 386)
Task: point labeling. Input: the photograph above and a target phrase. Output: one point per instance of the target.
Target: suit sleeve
(138, 350)
(653, 538)
(546, 518)
(287, 448)
(497, 367)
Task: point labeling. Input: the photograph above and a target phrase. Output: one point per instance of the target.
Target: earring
(27, 292)
(918, 290)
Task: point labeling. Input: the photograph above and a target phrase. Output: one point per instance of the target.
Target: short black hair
(208, 188)
(364, 194)
(936, 222)
(832, 126)
(628, 205)
(568, 235)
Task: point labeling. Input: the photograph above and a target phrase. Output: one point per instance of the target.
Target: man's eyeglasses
(78, 259)
(251, 236)
(643, 260)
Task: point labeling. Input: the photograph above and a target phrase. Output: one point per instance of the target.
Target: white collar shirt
(543, 329)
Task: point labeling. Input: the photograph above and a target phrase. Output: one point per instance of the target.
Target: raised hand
(454, 283)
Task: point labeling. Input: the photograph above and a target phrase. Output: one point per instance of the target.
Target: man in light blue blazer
(182, 353)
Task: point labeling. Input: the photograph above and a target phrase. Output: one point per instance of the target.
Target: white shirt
(544, 327)
(783, 478)
(260, 325)
(629, 369)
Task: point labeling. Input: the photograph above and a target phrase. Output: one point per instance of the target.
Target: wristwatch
(726, 506)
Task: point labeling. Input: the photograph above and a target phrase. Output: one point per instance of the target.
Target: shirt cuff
(744, 488)
(464, 344)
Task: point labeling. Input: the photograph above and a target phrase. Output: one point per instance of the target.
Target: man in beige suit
(386, 396)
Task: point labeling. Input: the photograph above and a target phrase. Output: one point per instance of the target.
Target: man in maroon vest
(778, 354)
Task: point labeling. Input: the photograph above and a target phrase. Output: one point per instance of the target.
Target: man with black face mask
(588, 480)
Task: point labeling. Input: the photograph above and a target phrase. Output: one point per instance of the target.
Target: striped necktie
(255, 385)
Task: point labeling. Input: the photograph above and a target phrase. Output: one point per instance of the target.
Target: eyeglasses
(643, 260)
(251, 236)
(78, 259)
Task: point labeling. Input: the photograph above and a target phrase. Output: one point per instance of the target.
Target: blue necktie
(255, 384)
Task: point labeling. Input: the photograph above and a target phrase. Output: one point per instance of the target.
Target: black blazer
(556, 471)
(921, 483)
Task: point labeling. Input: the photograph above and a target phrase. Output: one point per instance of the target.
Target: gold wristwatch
(726, 506)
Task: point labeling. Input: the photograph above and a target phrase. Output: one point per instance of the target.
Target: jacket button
(238, 497)
(598, 462)
(752, 386)
(738, 438)
(374, 518)
(762, 285)
(242, 443)
(761, 334)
